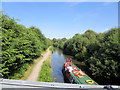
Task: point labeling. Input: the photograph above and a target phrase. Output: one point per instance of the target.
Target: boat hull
(71, 77)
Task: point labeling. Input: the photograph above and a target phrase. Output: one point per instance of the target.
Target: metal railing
(10, 83)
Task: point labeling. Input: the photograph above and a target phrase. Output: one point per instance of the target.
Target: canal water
(58, 59)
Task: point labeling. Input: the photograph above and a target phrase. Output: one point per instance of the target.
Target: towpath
(34, 75)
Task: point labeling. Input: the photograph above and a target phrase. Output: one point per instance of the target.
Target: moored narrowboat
(73, 74)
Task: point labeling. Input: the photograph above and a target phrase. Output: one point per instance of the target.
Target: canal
(58, 59)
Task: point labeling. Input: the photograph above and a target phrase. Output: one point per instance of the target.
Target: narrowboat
(74, 75)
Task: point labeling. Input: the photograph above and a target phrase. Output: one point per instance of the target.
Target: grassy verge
(51, 49)
(31, 66)
(44, 75)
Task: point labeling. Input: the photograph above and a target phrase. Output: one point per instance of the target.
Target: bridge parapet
(10, 83)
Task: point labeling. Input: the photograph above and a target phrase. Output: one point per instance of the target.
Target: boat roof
(83, 79)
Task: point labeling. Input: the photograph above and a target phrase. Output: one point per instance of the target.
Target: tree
(20, 46)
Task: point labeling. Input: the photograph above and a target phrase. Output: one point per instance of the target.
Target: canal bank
(52, 68)
(33, 67)
(44, 74)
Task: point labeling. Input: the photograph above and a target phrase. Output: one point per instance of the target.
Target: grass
(51, 49)
(31, 66)
(45, 73)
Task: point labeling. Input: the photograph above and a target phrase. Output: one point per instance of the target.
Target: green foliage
(76, 46)
(20, 73)
(20, 46)
(45, 73)
(59, 43)
(51, 48)
(100, 52)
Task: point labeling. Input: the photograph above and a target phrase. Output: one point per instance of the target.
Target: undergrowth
(44, 75)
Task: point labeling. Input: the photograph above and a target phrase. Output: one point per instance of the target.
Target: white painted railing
(9, 83)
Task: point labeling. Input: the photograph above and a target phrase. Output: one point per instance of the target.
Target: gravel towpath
(34, 75)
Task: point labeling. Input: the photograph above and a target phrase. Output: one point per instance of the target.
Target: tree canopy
(20, 46)
(99, 51)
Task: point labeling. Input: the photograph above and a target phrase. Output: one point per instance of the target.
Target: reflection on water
(58, 59)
